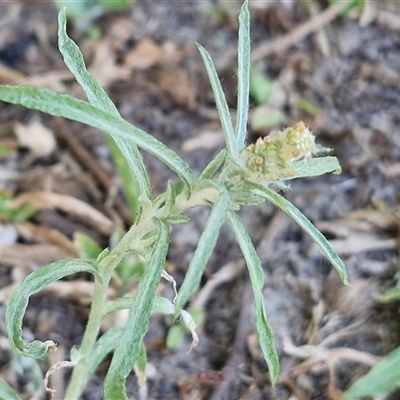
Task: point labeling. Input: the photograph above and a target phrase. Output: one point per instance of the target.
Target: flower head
(271, 158)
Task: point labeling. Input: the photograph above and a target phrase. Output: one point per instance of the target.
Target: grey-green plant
(239, 175)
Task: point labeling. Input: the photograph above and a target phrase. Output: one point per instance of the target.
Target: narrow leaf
(160, 305)
(129, 346)
(213, 166)
(220, 101)
(316, 166)
(7, 392)
(306, 225)
(103, 346)
(380, 380)
(74, 60)
(65, 106)
(170, 198)
(243, 76)
(392, 294)
(264, 331)
(203, 250)
(97, 96)
(140, 365)
(175, 219)
(34, 283)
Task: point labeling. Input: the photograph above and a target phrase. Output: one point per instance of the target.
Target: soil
(342, 80)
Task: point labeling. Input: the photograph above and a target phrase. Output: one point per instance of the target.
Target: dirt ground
(341, 77)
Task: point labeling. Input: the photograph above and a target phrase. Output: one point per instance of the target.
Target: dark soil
(343, 81)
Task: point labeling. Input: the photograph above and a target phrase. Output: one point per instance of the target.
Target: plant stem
(106, 267)
(80, 376)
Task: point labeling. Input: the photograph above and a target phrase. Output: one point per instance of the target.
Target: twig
(282, 43)
(321, 36)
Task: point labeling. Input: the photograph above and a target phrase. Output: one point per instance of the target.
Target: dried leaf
(144, 55)
(36, 137)
(68, 204)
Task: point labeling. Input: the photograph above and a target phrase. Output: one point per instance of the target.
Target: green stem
(106, 267)
(80, 376)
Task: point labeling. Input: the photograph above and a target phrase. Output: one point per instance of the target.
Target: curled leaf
(32, 284)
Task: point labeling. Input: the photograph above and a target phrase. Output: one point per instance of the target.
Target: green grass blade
(220, 101)
(203, 251)
(134, 179)
(392, 294)
(128, 160)
(380, 380)
(7, 392)
(243, 76)
(63, 105)
(129, 346)
(264, 331)
(306, 225)
(34, 283)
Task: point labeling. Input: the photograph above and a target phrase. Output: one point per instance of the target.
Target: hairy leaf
(34, 283)
(220, 100)
(203, 250)
(243, 76)
(7, 392)
(264, 331)
(380, 380)
(127, 153)
(306, 225)
(129, 346)
(62, 105)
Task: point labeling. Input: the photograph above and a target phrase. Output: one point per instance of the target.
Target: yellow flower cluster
(271, 158)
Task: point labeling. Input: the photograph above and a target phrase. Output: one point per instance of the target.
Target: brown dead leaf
(68, 204)
(176, 82)
(104, 66)
(365, 229)
(379, 216)
(144, 55)
(32, 255)
(354, 241)
(120, 30)
(50, 80)
(9, 76)
(36, 137)
(42, 234)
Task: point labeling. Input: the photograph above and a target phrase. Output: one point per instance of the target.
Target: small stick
(284, 42)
